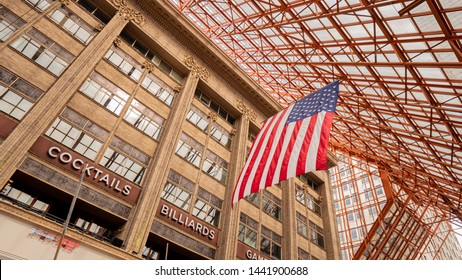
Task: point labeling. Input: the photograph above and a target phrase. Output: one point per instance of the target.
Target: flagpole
(71, 208)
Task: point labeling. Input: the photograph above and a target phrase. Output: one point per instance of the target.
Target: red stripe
(301, 164)
(274, 159)
(254, 156)
(321, 158)
(261, 165)
(288, 154)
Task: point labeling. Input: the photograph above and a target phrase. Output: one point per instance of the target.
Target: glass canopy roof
(400, 66)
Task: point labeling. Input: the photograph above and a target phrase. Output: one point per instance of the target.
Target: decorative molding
(246, 112)
(177, 88)
(65, 2)
(213, 116)
(129, 13)
(117, 42)
(98, 28)
(149, 66)
(195, 68)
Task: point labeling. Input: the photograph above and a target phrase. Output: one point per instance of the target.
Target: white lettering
(126, 190)
(164, 210)
(74, 164)
(63, 157)
(53, 155)
(104, 179)
(97, 171)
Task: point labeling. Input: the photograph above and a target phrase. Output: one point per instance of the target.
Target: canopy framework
(400, 63)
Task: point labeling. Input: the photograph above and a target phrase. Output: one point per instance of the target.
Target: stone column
(289, 220)
(14, 149)
(159, 166)
(227, 242)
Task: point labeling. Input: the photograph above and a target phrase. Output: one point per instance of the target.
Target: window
(39, 5)
(215, 166)
(74, 25)
(16, 95)
(124, 63)
(125, 160)
(153, 57)
(43, 51)
(309, 182)
(270, 243)
(316, 234)
(90, 227)
(300, 194)
(78, 133)
(207, 207)
(177, 190)
(254, 198)
(220, 134)
(15, 195)
(189, 149)
(198, 118)
(271, 205)
(303, 255)
(313, 204)
(9, 23)
(305, 198)
(251, 136)
(158, 88)
(248, 231)
(87, 5)
(150, 254)
(214, 106)
(302, 225)
(105, 93)
(144, 119)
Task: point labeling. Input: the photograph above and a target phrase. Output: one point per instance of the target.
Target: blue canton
(324, 99)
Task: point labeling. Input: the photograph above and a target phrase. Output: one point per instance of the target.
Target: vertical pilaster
(332, 243)
(289, 220)
(159, 166)
(227, 242)
(14, 149)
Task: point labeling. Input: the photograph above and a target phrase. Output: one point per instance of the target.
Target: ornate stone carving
(246, 112)
(117, 42)
(195, 68)
(98, 28)
(128, 12)
(65, 2)
(213, 116)
(149, 66)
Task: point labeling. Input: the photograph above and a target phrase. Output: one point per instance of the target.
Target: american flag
(290, 143)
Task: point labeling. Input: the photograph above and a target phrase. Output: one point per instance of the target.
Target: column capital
(213, 116)
(246, 111)
(195, 68)
(149, 66)
(128, 12)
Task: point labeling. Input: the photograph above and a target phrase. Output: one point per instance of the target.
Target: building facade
(369, 207)
(127, 103)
